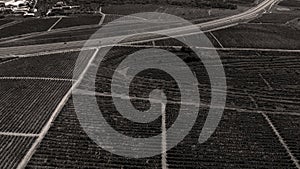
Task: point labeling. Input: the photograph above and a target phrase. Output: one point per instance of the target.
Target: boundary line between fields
(54, 24)
(153, 43)
(103, 16)
(36, 78)
(164, 162)
(265, 81)
(58, 109)
(93, 93)
(216, 39)
(130, 44)
(55, 52)
(281, 140)
(10, 60)
(9, 24)
(18, 134)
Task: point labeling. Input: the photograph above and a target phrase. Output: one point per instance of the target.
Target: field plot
(270, 78)
(290, 3)
(259, 36)
(278, 18)
(78, 21)
(31, 89)
(174, 42)
(128, 9)
(55, 37)
(27, 26)
(288, 127)
(190, 13)
(249, 2)
(85, 34)
(111, 17)
(67, 146)
(5, 21)
(13, 148)
(26, 105)
(47, 66)
(6, 59)
(242, 140)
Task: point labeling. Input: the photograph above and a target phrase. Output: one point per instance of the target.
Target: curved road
(76, 45)
(178, 31)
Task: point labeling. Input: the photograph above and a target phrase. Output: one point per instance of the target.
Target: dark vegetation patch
(27, 26)
(6, 59)
(55, 37)
(48, 66)
(13, 149)
(290, 3)
(259, 36)
(288, 127)
(89, 5)
(26, 105)
(276, 18)
(5, 21)
(78, 21)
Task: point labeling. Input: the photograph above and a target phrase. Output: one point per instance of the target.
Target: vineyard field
(26, 105)
(48, 66)
(13, 148)
(259, 36)
(78, 21)
(27, 26)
